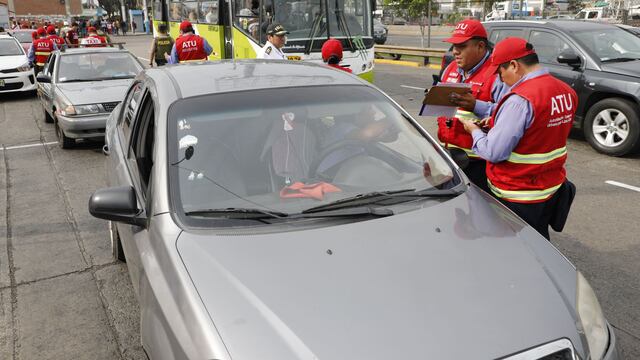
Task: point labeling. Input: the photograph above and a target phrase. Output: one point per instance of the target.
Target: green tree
(575, 5)
(415, 9)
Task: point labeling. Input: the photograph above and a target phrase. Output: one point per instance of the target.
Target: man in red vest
(526, 146)
(40, 50)
(93, 39)
(72, 35)
(332, 54)
(53, 36)
(471, 52)
(189, 46)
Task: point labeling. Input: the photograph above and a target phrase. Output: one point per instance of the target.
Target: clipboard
(439, 95)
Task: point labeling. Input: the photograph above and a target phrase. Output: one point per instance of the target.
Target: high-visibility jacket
(94, 41)
(42, 49)
(190, 48)
(481, 83)
(56, 39)
(535, 169)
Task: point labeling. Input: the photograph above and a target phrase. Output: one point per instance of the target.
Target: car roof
(194, 79)
(563, 24)
(84, 50)
(2, 36)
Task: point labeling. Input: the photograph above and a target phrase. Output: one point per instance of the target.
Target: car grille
(556, 350)
(11, 86)
(9, 71)
(108, 107)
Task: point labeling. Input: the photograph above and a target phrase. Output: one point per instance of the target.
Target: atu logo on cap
(461, 28)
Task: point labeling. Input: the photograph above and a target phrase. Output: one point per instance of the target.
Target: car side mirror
(116, 204)
(459, 157)
(570, 58)
(43, 78)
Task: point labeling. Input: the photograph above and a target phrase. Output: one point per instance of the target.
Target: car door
(548, 45)
(123, 173)
(45, 90)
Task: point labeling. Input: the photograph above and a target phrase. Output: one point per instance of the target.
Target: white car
(15, 72)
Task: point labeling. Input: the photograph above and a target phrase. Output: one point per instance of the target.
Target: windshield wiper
(238, 213)
(343, 21)
(378, 196)
(314, 28)
(81, 80)
(620, 59)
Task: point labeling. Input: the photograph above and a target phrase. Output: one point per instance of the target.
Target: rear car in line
(16, 74)
(25, 37)
(284, 210)
(601, 62)
(78, 88)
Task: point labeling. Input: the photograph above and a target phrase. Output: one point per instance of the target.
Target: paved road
(62, 295)
(415, 41)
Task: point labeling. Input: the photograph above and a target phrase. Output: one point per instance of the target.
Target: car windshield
(610, 44)
(23, 36)
(9, 47)
(97, 66)
(292, 149)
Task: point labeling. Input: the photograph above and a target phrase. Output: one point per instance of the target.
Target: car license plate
(1, 83)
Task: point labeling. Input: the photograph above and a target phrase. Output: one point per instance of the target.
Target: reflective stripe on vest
(469, 152)
(537, 158)
(465, 115)
(43, 53)
(523, 195)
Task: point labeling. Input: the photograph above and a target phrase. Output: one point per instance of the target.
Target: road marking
(397, 62)
(622, 185)
(27, 145)
(411, 87)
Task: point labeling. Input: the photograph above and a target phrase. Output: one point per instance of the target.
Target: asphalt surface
(63, 296)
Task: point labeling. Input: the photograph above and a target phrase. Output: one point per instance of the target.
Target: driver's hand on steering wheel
(378, 131)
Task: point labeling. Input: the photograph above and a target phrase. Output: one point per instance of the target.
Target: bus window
(184, 10)
(209, 12)
(298, 17)
(247, 12)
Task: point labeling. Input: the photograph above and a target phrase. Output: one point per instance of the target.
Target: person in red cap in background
(189, 46)
(471, 52)
(53, 36)
(332, 54)
(72, 35)
(526, 145)
(40, 50)
(93, 39)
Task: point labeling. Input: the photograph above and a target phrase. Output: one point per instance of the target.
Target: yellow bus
(236, 29)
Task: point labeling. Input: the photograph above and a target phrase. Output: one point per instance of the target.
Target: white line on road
(622, 185)
(411, 87)
(28, 145)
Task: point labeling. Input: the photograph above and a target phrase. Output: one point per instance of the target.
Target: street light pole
(67, 9)
(429, 23)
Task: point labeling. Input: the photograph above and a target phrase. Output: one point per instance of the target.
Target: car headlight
(593, 323)
(24, 67)
(80, 110)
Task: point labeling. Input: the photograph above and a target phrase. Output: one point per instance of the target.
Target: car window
(592, 15)
(23, 36)
(347, 141)
(499, 34)
(129, 108)
(97, 66)
(142, 140)
(548, 46)
(610, 43)
(10, 47)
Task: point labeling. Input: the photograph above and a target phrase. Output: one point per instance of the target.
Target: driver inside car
(355, 133)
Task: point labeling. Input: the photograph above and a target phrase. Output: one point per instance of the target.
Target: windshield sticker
(187, 140)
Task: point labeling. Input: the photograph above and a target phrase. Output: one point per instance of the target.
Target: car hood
(458, 279)
(12, 62)
(629, 68)
(95, 92)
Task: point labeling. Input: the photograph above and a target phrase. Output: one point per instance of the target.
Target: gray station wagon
(275, 210)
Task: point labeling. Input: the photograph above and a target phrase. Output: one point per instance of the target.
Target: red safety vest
(95, 41)
(190, 48)
(56, 39)
(481, 82)
(341, 68)
(42, 48)
(535, 169)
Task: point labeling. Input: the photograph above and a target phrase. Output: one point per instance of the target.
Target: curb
(406, 63)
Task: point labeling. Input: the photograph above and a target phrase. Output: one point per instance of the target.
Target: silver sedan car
(274, 210)
(78, 89)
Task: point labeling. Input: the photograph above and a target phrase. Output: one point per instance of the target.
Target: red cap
(34, 35)
(41, 31)
(91, 29)
(331, 47)
(510, 48)
(51, 29)
(185, 25)
(466, 30)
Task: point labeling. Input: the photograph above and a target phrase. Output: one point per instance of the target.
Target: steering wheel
(313, 169)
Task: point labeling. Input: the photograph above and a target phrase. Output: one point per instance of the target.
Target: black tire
(64, 141)
(116, 243)
(47, 118)
(608, 141)
(396, 56)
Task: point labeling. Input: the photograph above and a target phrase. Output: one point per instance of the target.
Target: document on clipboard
(436, 102)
